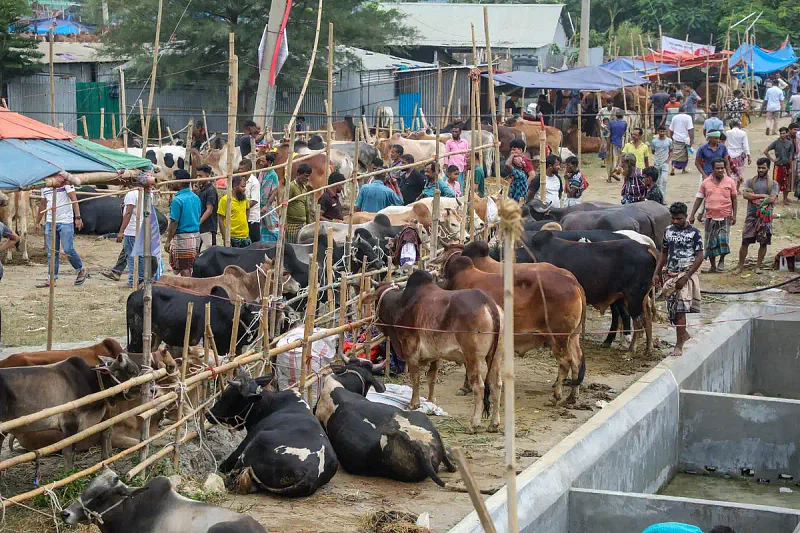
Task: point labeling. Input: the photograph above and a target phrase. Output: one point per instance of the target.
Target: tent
(758, 60)
(117, 159)
(60, 27)
(639, 67)
(593, 78)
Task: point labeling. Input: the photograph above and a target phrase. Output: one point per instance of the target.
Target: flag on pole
(278, 57)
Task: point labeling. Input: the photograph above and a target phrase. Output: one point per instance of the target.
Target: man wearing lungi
(183, 232)
(682, 128)
(785, 155)
(761, 194)
(719, 193)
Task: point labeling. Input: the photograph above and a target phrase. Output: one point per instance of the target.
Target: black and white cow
(374, 439)
(114, 507)
(285, 451)
(103, 215)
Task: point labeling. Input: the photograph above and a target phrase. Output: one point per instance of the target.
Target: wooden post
(52, 277)
(624, 103)
(348, 243)
(413, 118)
(492, 103)
(277, 287)
(138, 226)
(434, 236)
(232, 108)
(543, 166)
(181, 398)
(343, 297)
(113, 126)
(102, 122)
(402, 125)
(329, 274)
(311, 311)
(580, 127)
(85, 127)
(205, 123)
(158, 122)
(329, 104)
(708, 77)
(450, 99)
(265, 321)
(206, 344)
(141, 121)
(474, 491)
(237, 313)
(172, 139)
(52, 88)
(648, 119)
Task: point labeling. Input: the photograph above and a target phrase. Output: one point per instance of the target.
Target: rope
(751, 291)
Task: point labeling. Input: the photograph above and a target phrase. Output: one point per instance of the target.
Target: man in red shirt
(719, 193)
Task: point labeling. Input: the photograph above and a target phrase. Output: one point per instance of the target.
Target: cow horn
(379, 366)
(458, 202)
(345, 359)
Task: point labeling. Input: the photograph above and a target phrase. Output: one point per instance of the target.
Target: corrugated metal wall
(425, 83)
(312, 108)
(30, 96)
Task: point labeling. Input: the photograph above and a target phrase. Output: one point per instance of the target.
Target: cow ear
(377, 384)
(106, 361)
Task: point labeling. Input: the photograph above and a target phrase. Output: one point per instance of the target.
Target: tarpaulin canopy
(60, 27)
(758, 60)
(578, 79)
(685, 59)
(638, 66)
(118, 160)
(16, 126)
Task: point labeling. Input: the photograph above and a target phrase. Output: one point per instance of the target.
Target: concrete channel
(727, 412)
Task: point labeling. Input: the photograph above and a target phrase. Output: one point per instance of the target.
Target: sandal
(82, 275)
(113, 276)
(43, 285)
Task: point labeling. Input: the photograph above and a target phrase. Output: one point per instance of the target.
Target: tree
(18, 56)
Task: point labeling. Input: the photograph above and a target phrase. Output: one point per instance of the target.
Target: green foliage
(66, 494)
(18, 55)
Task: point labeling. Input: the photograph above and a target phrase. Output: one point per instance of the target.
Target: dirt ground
(96, 310)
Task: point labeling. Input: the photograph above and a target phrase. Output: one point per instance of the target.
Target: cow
(505, 135)
(648, 218)
(380, 228)
(340, 161)
(419, 149)
(169, 308)
(213, 262)
(549, 309)
(168, 158)
(320, 170)
(449, 218)
(114, 507)
(14, 213)
(103, 215)
(384, 116)
(367, 153)
(532, 129)
(249, 286)
(343, 130)
(411, 214)
(108, 347)
(285, 452)
(537, 210)
(589, 145)
(27, 390)
(456, 206)
(374, 439)
(426, 324)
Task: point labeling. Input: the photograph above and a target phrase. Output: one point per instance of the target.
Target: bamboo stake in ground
(123, 117)
(288, 173)
(51, 298)
(542, 166)
(237, 313)
(492, 103)
(158, 123)
(343, 296)
(232, 107)
(329, 273)
(348, 243)
(311, 309)
(205, 123)
(182, 400)
(141, 119)
(102, 123)
(450, 98)
(113, 126)
(85, 127)
(329, 101)
(474, 491)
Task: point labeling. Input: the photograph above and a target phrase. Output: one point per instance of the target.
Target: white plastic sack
(400, 396)
(408, 254)
(491, 210)
(289, 363)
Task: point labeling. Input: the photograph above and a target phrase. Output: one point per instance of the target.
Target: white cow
(168, 157)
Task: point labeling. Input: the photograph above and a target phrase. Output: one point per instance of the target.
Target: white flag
(283, 54)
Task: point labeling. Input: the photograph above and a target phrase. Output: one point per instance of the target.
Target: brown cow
(15, 215)
(506, 135)
(419, 149)
(532, 129)
(426, 324)
(589, 145)
(549, 309)
(250, 286)
(417, 212)
(343, 130)
(319, 169)
(91, 354)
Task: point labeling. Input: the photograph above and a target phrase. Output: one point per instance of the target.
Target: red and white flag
(281, 53)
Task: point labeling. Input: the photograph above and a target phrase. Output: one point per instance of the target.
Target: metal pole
(265, 95)
(583, 53)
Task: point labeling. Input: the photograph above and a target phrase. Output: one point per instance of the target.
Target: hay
(387, 521)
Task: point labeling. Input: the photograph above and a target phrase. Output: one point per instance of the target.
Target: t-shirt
(605, 112)
(708, 155)
(479, 178)
(784, 150)
(670, 112)
(794, 102)
(208, 196)
(64, 213)
(411, 186)
(713, 124)
(253, 193)
(554, 188)
(456, 186)
(759, 186)
(659, 100)
(185, 210)
(660, 150)
(773, 98)
(691, 101)
(132, 199)
(576, 184)
(654, 195)
(244, 145)
(737, 143)
(459, 160)
(617, 128)
(376, 196)
(719, 197)
(641, 152)
(331, 206)
(681, 244)
(444, 189)
(547, 110)
(680, 127)
(297, 210)
(512, 107)
(239, 227)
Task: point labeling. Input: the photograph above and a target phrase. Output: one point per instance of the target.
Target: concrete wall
(615, 512)
(776, 349)
(731, 432)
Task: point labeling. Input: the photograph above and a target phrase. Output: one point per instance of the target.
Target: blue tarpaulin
(60, 27)
(760, 61)
(27, 161)
(577, 79)
(638, 66)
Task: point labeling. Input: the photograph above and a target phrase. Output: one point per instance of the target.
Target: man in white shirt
(682, 128)
(127, 236)
(554, 187)
(253, 194)
(738, 149)
(772, 104)
(794, 104)
(68, 218)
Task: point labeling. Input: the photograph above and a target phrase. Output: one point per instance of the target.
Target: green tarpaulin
(118, 160)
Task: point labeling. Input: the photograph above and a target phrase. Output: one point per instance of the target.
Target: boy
(682, 254)
(605, 136)
(576, 182)
(785, 155)
(452, 179)
(661, 147)
(183, 232)
(653, 192)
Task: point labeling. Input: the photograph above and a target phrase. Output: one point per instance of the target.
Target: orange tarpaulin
(685, 59)
(16, 126)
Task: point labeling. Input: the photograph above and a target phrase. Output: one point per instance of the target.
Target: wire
(751, 291)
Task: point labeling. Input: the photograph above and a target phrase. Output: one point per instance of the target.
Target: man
(761, 194)
(661, 147)
(457, 144)
(253, 193)
(11, 239)
(545, 109)
(575, 180)
(208, 206)
(517, 149)
(794, 103)
(682, 128)
(199, 135)
(772, 104)
(433, 182)
(127, 236)
(376, 196)
(671, 109)
(68, 219)
(300, 123)
(736, 106)
(712, 123)
(617, 129)
(554, 187)
(633, 189)
(513, 105)
(298, 213)
(377, 163)
(240, 232)
(682, 255)
(710, 152)
(691, 99)
(412, 182)
(392, 178)
(609, 111)
(785, 155)
(719, 193)
(649, 180)
(252, 136)
(659, 99)
(183, 231)
(738, 146)
(478, 175)
(329, 203)
(638, 149)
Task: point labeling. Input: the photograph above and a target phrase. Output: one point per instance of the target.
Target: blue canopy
(760, 61)
(28, 161)
(637, 66)
(577, 79)
(60, 27)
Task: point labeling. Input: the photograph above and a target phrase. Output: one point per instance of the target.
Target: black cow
(374, 439)
(169, 318)
(538, 210)
(103, 215)
(213, 261)
(30, 389)
(114, 507)
(285, 451)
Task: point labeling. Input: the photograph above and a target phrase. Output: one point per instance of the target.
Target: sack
(289, 363)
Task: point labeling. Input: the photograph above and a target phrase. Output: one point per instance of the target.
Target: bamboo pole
(52, 83)
(311, 309)
(277, 287)
(329, 270)
(102, 123)
(237, 313)
(469, 210)
(434, 237)
(205, 123)
(141, 123)
(85, 127)
(132, 473)
(184, 363)
(580, 126)
(343, 290)
(348, 243)
(450, 98)
(329, 102)
(708, 78)
(492, 103)
(232, 109)
(158, 123)
(113, 126)
(474, 491)
(543, 166)
(51, 298)
(139, 203)
(624, 102)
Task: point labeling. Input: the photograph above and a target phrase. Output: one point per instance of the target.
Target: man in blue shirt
(692, 99)
(706, 154)
(712, 123)
(376, 196)
(616, 130)
(183, 232)
(433, 181)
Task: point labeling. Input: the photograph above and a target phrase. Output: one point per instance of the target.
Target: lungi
(569, 202)
(717, 236)
(755, 230)
(183, 250)
(737, 164)
(680, 154)
(292, 231)
(782, 175)
(686, 300)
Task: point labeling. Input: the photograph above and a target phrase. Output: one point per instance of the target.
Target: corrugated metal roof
(74, 53)
(377, 61)
(510, 25)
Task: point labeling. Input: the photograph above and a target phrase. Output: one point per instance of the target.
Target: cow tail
(420, 453)
(243, 482)
(582, 369)
(487, 399)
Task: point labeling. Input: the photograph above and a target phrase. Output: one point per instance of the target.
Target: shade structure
(638, 67)
(60, 27)
(758, 60)
(16, 126)
(592, 78)
(117, 159)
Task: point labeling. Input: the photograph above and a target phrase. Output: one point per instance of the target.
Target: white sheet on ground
(400, 396)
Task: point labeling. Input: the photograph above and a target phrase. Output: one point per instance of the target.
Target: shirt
(411, 186)
(691, 102)
(459, 160)
(773, 98)
(238, 222)
(654, 195)
(554, 188)
(512, 107)
(708, 155)
(737, 143)
(185, 210)
(680, 126)
(376, 196)
(297, 210)
(659, 99)
(759, 186)
(479, 178)
(547, 110)
(641, 152)
(576, 184)
(784, 150)
(253, 193)
(132, 199)
(64, 214)
(456, 186)
(719, 204)
(670, 110)
(605, 112)
(661, 150)
(244, 145)
(444, 189)
(794, 102)
(331, 206)
(735, 107)
(713, 124)
(633, 190)
(681, 244)
(208, 197)
(617, 129)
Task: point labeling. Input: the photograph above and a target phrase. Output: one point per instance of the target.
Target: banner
(668, 44)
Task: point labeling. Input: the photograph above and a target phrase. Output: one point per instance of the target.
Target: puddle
(733, 490)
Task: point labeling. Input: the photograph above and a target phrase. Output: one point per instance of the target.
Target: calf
(285, 451)
(27, 390)
(91, 354)
(549, 308)
(411, 214)
(426, 324)
(114, 507)
(374, 439)
(216, 259)
(249, 286)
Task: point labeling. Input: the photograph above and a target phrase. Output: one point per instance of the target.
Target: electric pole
(265, 96)
(583, 52)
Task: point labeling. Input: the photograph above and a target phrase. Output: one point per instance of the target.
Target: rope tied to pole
(510, 214)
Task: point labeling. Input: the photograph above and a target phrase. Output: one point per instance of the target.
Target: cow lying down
(114, 507)
(374, 439)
